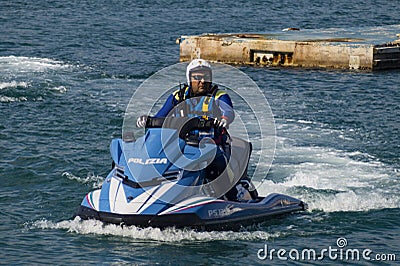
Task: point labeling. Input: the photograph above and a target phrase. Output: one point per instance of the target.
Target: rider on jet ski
(201, 98)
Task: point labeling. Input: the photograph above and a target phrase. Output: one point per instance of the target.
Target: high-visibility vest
(205, 106)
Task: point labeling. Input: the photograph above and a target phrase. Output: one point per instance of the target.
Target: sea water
(67, 72)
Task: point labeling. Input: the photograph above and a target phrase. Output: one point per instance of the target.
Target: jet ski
(159, 180)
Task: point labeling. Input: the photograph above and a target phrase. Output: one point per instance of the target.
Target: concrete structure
(362, 48)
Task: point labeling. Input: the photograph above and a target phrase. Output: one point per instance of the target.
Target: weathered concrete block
(303, 50)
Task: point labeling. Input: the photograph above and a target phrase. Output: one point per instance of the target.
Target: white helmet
(201, 65)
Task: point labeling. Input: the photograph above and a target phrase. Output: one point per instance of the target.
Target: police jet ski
(159, 180)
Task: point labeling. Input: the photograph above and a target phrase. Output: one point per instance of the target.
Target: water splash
(92, 179)
(13, 84)
(32, 78)
(7, 99)
(59, 89)
(29, 64)
(171, 235)
(333, 180)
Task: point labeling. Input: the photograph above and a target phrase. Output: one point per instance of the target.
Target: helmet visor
(201, 74)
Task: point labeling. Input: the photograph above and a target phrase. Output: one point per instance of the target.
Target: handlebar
(183, 124)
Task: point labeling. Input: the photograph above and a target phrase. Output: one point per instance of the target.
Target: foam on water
(7, 99)
(333, 180)
(95, 180)
(13, 84)
(31, 78)
(155, 234)
(29, 64)
(59, 89)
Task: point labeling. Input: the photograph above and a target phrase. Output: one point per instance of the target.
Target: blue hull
(213, 215)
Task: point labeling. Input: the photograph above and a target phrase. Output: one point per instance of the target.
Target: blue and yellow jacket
(216, 104)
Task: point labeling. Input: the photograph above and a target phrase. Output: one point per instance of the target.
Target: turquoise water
(67, 72)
